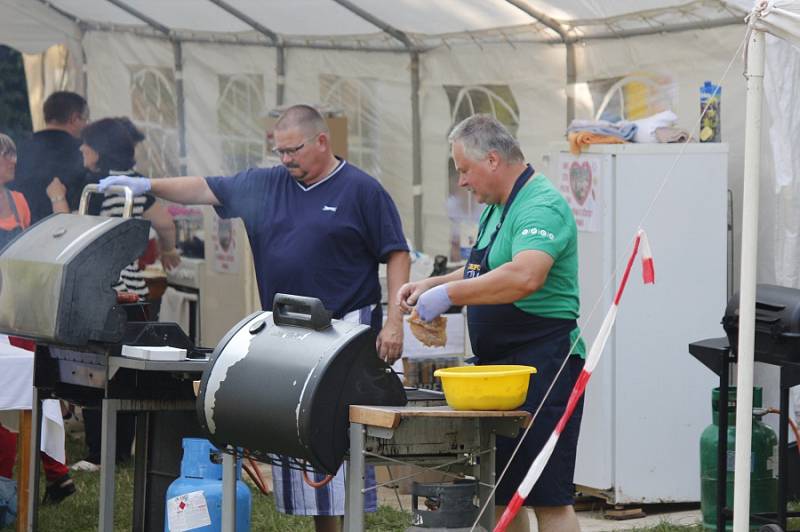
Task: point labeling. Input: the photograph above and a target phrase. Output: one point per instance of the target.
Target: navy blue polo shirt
(324, 241)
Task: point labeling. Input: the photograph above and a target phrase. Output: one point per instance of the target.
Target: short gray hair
(480, 134)
(304, 117)
(7, 146)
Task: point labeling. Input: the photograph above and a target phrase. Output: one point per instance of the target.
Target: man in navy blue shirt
(318, 226)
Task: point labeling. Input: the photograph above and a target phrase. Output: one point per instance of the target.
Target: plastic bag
(8, 501)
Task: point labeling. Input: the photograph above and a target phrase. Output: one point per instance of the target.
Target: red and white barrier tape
(649, 277)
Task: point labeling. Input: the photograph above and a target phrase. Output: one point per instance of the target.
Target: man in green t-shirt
(520, 286)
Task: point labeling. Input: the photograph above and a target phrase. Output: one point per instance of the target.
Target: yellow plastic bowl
(485, 387)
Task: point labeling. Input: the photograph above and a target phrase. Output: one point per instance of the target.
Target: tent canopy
(359, 23)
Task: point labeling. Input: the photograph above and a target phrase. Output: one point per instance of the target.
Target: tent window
(357, 99)
(239, 111)
(633, 96)
(155, 113)
(462, 209)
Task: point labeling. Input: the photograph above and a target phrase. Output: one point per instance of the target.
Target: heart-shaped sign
(580, 181)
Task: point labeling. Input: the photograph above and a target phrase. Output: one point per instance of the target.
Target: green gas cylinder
(763, 463)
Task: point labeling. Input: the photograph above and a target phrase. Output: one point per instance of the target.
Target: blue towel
(623, 129)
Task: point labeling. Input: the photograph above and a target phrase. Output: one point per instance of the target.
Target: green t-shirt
(540, 219)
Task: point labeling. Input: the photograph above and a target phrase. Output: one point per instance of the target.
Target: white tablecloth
(16, 393)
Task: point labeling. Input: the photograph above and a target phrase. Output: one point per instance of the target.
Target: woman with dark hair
(108, 148)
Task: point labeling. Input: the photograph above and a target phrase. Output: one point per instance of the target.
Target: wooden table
(425, 435)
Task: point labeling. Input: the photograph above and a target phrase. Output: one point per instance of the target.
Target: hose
(255, 475)
(313, 483)
(791, 424)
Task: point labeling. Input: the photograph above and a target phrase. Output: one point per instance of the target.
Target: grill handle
(301, 311)
(127, 208)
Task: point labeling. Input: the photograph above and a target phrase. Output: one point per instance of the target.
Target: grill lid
(56, 278)
(777, 327)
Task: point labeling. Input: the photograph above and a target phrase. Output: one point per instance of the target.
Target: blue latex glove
(138, 185)
(433, 303)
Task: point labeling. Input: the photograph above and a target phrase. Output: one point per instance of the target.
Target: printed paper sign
(226, 243)
(579, 183)
(187, 512)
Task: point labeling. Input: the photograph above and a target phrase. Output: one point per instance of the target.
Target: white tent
(404, 71)
(400, 69)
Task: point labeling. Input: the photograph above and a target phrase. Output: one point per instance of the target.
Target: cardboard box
(336, 124)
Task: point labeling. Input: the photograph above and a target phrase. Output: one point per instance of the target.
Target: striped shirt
(131, 278)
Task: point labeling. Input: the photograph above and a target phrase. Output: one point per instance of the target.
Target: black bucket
(449, 506)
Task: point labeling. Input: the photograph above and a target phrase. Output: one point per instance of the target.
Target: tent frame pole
(569, 48)
(747, 281)
(177, 54)
(277, 41)
(416, 121)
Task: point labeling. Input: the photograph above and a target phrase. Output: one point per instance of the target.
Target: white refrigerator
(648, 400)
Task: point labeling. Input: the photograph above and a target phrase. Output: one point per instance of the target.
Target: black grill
(777, 327)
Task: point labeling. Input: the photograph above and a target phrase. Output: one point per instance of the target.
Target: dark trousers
(126, 429)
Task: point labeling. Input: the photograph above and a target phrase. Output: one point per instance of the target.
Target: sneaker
(85, 465)
(58, 490)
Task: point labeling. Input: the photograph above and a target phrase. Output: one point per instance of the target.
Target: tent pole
(416, 124)
(747, 282)
(416, 148)
(177, 52)
(569, 43)
(277, 41)
(280, 73)
(572, 78)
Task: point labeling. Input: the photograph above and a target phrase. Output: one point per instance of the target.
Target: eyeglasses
(281, 152)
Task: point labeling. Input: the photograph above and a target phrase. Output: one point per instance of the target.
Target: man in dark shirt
(54, 152)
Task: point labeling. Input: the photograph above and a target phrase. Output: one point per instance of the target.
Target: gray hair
(7, 146)
(304, 117)
(480, 134)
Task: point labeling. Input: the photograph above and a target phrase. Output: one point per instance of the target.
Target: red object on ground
(53, 469)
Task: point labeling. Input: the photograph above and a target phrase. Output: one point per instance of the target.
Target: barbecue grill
(777, 328)
(776, 342)
(56, 283)
(283, 381)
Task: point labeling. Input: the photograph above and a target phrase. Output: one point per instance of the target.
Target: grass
(79, 512)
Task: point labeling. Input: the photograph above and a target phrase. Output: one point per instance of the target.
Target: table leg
(486, 474)
(23, 491)
(108, 465)
(33, 461)
(228, 492)
(354, 488)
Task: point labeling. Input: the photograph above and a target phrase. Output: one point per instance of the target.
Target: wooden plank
(390, 416)
(24, 484)
(374, 416)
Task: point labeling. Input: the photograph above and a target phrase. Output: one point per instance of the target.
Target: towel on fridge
(672, 134)
(579, 139)
(622, 129)
(646, 127)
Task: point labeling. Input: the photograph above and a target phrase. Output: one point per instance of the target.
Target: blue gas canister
(194, 500)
